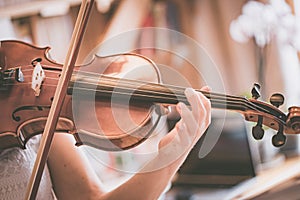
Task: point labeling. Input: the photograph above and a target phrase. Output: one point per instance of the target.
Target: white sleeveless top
(15, 170)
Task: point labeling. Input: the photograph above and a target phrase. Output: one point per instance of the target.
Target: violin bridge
(38, 76)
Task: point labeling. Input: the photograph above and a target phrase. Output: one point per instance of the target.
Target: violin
(104, 108)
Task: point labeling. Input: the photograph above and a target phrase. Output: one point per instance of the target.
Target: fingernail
(189, 92)
(179, 107)
(208, 88)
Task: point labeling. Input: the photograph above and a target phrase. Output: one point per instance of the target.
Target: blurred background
(245, 41)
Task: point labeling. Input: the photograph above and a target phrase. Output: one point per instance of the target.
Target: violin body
(103, 125)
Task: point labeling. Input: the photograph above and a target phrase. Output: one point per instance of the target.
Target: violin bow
(59, 96)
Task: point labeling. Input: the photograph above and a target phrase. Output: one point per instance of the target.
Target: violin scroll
(270, 116)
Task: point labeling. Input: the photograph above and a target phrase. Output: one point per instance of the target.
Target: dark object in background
(231, 161)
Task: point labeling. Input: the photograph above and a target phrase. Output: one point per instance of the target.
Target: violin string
(132, 82)
(22, 83)
(172, 97)
(29, 83)
(178, 97)
(215, 97)
(29, 76)
(155, 85)
(156, 89)
(233, 104)
(236, 105)
(128, 82)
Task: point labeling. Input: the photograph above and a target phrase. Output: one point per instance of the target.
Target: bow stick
(59, 96)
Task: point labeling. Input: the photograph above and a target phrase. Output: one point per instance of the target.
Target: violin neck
(137, 91)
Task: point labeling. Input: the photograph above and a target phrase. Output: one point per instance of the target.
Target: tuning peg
(255, 91)
(277, 99)
(279, 139)
(257, 131)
